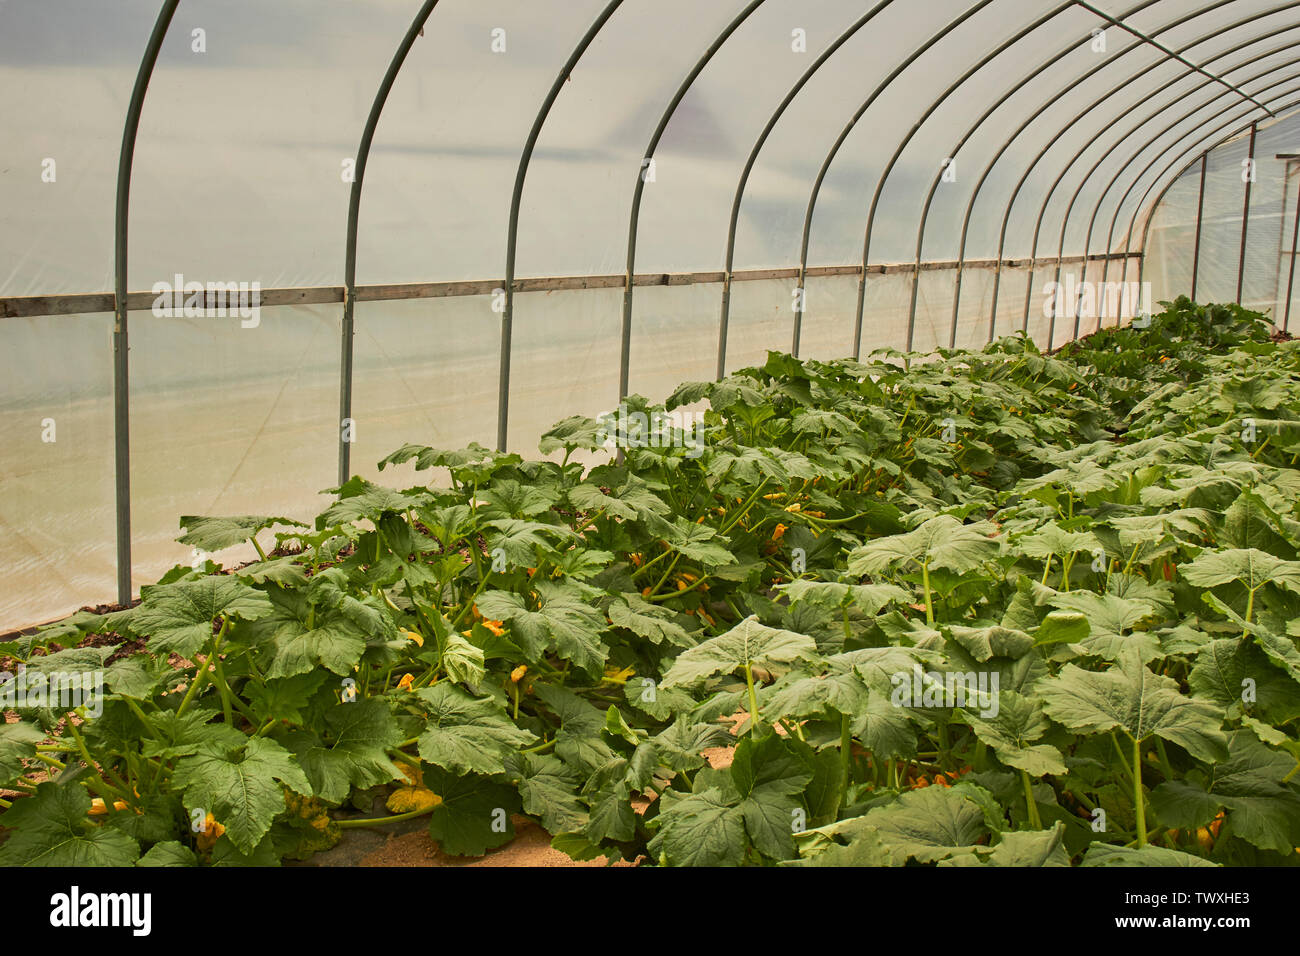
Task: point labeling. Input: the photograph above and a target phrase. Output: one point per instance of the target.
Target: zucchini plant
(996, 607)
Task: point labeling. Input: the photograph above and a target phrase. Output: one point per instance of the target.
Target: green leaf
(927, 825)
(548, 790)
(866, 849)
(1062, 627)
(1223, 669)
(770, 775)
(467, 734)
(462, 660)
(17, 742)
(746, 644)
(240, 786)
(1250, 566)
(51, 829)
(700, 543)
(522, 541)
(679, 746)
(1261, 808)
(1131, 698)
(169, 853)
(510, 499)
(216, 534)
(178, 617)
(359, 735)
(868, 598)
(563, 621)
(1102, 854)
(475, 813)
(137, 677)
(983, 643)
(298, 636)
(633, 501)
(284, 699)
(699, 830)
(360, 499)
(1018, 848)
(578, 742)
(1011, 734)
(656, 624)
(940, 542)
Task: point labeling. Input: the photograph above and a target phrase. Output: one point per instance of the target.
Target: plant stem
(753, 702)
(846, 757)
(380, 821)
(929, 603)
(545, 745)
(1137, 794)
(1035, 820)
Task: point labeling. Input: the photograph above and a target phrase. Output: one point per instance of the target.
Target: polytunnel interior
(563, 203)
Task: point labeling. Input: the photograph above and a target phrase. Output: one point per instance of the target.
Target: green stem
(753, 702)
(1137, 794)
(744, 509)
(114, 782)
(380, 821)
(846, 757)
(929, 602)
(1035, 820)
(201, 671)
(1165, 765)
(545, 745)
(143, 718)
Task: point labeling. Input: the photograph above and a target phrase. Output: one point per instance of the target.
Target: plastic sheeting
(986, 129)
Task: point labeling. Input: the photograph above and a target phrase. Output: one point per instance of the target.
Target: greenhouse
(664, 433)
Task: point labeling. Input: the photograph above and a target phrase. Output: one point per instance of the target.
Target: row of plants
(973, 608)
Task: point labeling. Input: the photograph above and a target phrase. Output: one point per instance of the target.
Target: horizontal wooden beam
(16, 307)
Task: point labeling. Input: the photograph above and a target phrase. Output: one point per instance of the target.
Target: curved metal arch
(1245, 215)
(729, 262)
(934, 186)
(625, 346)
(1136, 153)
(512, 240)
(354, 216)
(1155, 207)
(1277, 111)
(830, 158)
(1006, 217)
(989, 167)
(1155, 159)
(121, 378)
(1177, 55)
(1101, 199)
(1281, 113)
(992, 163)
(1146, 145)
(884, 176)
